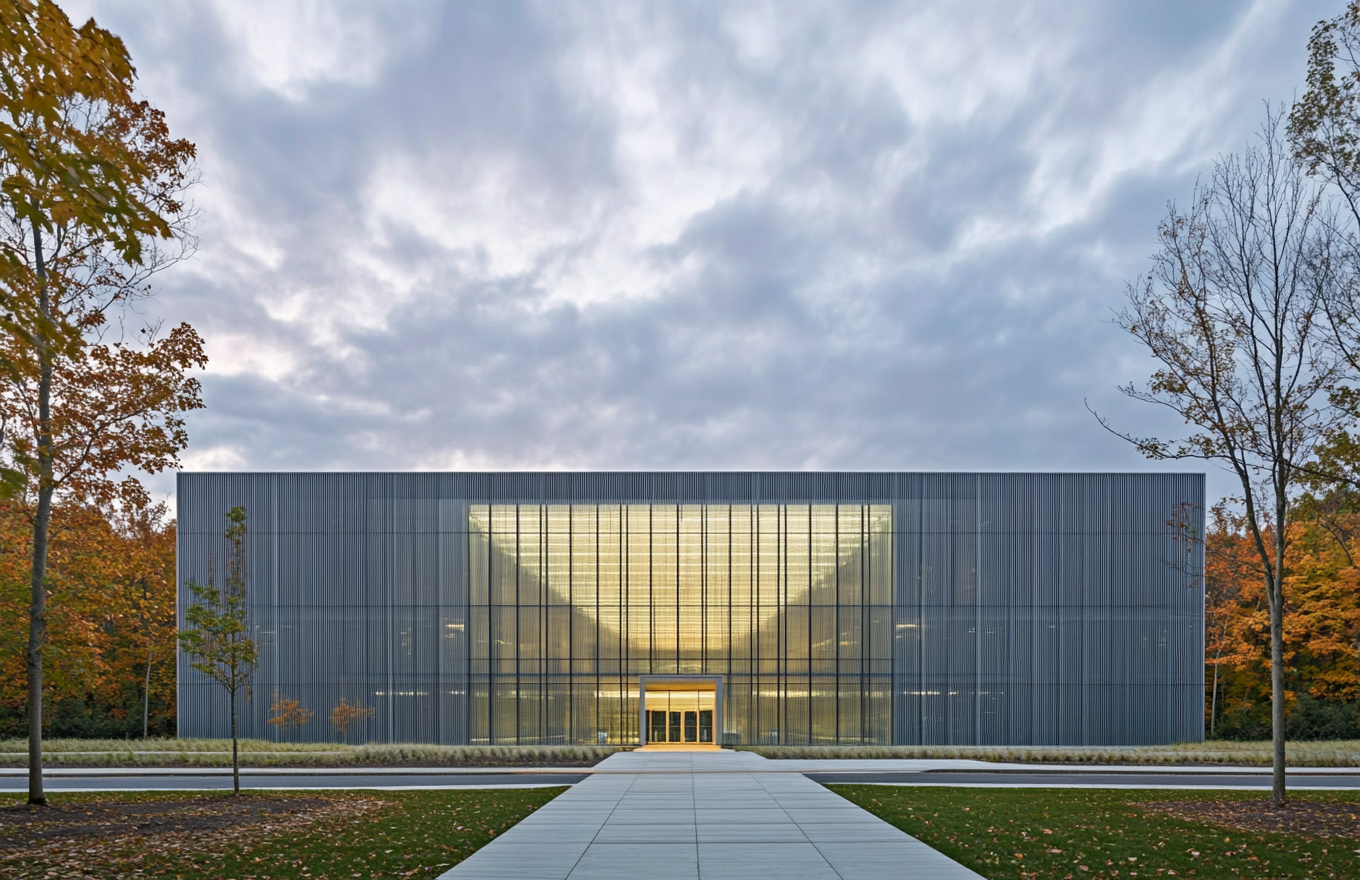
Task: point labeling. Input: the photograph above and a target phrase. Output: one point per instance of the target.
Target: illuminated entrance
(569, 604)
(681, 710)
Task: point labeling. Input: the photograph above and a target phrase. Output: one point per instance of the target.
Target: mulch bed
(75, 834)
(1307, 818)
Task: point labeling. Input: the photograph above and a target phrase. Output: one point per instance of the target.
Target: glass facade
(790, 603)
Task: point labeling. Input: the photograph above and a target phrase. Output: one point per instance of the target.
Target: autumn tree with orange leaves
(346, 714)
(289, 714)
(109, 658)
(1321, 639)
(1230, 570)
(91, 184)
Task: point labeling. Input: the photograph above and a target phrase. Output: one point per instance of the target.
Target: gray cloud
(876, 235)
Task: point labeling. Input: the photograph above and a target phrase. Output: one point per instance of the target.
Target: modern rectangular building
(732, 608)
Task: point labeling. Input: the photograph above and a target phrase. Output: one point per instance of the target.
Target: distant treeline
(111, 617)
(1322, 629)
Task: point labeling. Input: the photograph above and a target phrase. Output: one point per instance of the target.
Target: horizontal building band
(1041, 609)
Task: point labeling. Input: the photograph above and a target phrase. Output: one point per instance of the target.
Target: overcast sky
(786, 235)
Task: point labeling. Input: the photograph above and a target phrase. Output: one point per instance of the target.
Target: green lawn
(1090, 833)
(1322, 753)
(264, 835)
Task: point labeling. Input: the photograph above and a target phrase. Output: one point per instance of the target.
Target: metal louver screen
(839, 608)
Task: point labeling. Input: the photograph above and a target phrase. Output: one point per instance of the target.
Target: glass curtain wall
(792, 604)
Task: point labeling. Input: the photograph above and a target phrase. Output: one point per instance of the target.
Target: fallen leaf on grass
(1312, 818)
(108, 835)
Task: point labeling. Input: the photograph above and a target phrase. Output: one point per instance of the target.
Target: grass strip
(1093, 833)
(315, 834)
(171, 752)
(1329, 753)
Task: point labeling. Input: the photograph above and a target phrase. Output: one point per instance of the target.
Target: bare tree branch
(1239, 313)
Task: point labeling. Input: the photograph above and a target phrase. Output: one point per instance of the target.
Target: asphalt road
(1090, 779)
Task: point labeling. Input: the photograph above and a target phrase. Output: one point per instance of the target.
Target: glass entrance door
(680, 716)
(665, 726)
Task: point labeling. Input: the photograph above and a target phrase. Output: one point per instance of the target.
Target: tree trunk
(1213, 702)
(37, 634)
(146, 695)
(235, 763)
(1275, 598)
(37, 609)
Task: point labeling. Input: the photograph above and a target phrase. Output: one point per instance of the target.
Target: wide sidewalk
(709, 815)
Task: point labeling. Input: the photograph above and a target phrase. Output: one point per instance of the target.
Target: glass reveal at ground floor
(791, 604)
(704, 609)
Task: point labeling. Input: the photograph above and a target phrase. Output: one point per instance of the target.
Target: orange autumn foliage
(1322, 622)
(112, 610)
(288, 713)
(346, 713)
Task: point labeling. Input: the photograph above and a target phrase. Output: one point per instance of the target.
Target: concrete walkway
(672, 815)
